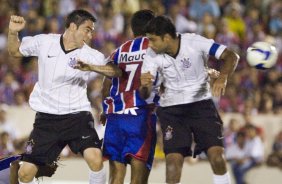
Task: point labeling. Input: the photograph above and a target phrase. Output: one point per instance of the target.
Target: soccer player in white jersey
(186, 109)
(59, 97)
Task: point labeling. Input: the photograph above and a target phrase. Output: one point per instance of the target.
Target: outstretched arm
(230, 60)
(109, 70)
(16, 24)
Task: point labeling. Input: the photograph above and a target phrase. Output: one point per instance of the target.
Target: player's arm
(230, 60)
(16, 24)
(107, 83)
(146, 83)
(108, 70)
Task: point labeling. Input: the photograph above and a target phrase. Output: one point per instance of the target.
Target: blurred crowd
(235, 23)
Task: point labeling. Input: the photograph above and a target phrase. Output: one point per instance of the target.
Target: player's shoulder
(193, 39)
(133, 45)
(86, 49)
(48, 37)
(190, 36)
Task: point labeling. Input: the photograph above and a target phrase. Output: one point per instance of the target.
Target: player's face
(84, 33)
(157, 43)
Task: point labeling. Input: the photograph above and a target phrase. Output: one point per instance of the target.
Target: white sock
(32, 182)
(222, 179)
(98, 177)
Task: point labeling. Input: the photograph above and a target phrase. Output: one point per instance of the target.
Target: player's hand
(213, 73)
(17, 23)
(103, 119)
(219, 86)
(146, 79)
(82, 66)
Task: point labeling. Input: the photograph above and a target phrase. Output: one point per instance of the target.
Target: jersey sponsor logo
(72, 62)
(128, 58)
(168, 133)
(186, 63)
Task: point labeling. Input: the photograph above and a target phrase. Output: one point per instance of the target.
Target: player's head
(80, 24)
(160, 32)
(139, 20)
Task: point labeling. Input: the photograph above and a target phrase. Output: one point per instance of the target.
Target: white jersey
(185, 76)
(60, 89)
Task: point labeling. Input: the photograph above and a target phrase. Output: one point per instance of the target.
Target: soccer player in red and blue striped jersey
(130, 135)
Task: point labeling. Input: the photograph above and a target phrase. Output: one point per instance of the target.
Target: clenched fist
(16, 24)
(146, 79)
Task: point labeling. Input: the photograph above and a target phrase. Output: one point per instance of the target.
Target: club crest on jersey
(168, 133)
(29, 146)
(186, 63)
(72, 62)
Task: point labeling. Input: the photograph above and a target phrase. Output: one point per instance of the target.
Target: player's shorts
(128, 136)
(51, 133)
(183, 124)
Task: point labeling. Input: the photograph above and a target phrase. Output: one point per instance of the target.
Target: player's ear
(73, 26)
(167, 37)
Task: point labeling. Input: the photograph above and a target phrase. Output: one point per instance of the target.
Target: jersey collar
(179, 43)
(63, 47)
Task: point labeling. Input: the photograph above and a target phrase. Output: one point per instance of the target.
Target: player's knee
(25, 176)
(93, 157)
(217, 160)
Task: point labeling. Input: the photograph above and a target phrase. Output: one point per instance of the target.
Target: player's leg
(14, 168)
(84, 139)
(9, 169)
(208, 135)
(114, 142)
(216, 159)
(117, 172)
(140, 145)
(93, 157)
(177, 140)
(42, 147)
(139, 172)
(174, 165)
(27, 172)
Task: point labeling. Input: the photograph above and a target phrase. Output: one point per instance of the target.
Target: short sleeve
(93, 57)
(30, 45)
(208, 46)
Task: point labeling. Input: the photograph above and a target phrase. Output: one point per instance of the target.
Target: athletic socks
(222, 179)
(98, 177)
(32, 182)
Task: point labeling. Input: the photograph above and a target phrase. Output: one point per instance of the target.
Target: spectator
(8, 88)
(275, 158)
(246, 154)
(230, 133)
(6, 126)
(182, 24)
(198, 8)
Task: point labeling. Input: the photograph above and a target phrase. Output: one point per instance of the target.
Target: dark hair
(160, 26)
(139, 20)
(79, 17)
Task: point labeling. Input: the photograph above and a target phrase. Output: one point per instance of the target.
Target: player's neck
(173, 47)
(68, 42)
